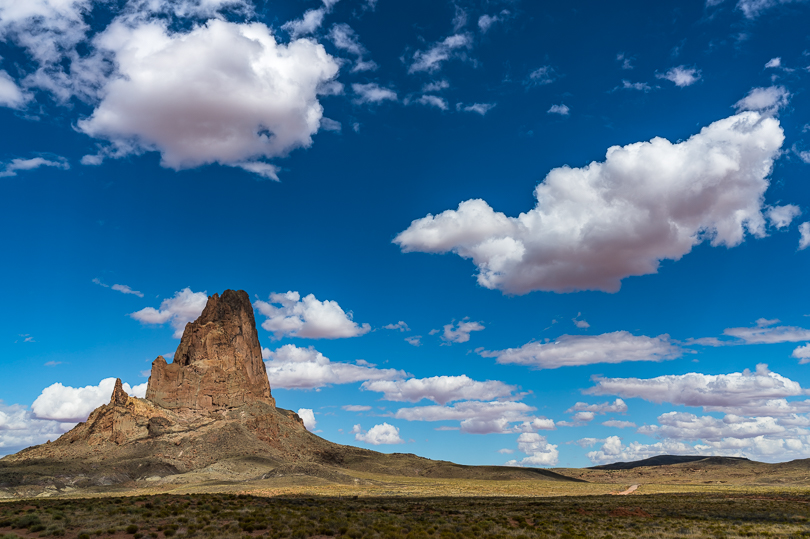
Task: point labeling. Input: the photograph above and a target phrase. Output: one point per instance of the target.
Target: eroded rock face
(123, 420)
(218, 364)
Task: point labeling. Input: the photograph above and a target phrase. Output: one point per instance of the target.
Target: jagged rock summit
(218, 364)
(207, 416)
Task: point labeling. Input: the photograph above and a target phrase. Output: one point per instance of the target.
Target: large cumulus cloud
(757, 393)
(577, 350)
(596, 225)
(220, 93)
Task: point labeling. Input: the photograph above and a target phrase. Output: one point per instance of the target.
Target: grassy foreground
(417, 508)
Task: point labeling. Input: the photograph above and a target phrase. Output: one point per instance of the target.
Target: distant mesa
(668, 460)
(209, 415)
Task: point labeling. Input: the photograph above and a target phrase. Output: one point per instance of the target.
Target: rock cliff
(218, 364)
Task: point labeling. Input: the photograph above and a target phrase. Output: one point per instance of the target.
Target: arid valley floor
(723, 503)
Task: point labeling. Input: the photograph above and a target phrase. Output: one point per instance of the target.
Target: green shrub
(26, 521)
(132, 528)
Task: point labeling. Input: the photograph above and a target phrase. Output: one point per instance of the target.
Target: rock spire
(218, 364)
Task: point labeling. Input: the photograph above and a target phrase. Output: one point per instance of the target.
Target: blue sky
(488, 232)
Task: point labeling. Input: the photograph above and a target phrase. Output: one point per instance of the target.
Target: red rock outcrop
(218, 364)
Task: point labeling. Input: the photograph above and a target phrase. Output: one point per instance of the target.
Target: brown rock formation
(218, 364)
(212, 403)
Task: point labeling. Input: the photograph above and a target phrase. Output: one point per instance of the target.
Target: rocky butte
(208, 415)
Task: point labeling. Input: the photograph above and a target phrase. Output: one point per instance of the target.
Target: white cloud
(460, 332)
(802, 353)
(307, 318)
(459, 18)
(186, 306)
(619, 424)
(291, 367)
(804, 239)
(759, 393)
(685, 426)
(681, 76)
(49, 31)
(541, 76)
(73, 404)
(627, 61)
(433, 101)
(754, 8)
(804, 155)
(416, 340)
(221, 93)
(539, 451)
(308, 24)
(15, 165)
(477, 417)
(766, 332)
(561, 109)
(19, 429)
(432, 59)
(782, 216)
(356, 408)
(436, 86)
(774, 63)
(260, 168)
(329, 124)
(485, 22)
(124, 289)
(614, 450)
(440, 389)
(763, 448)
(373, 93)
(10, 94)
(583, 417)
(650, 201)
(187, 8)
(765, 100)
(640, 86)
(785, 445)
(616, 407)
(576, 350)
(581, 324)
(506, 451)
(344, 38)
(383, 434)
(401, 326)
(478, 108)
(308, 417)
(586, 442)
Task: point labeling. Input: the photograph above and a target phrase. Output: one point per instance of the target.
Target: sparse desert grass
(772, 513)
